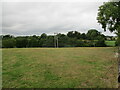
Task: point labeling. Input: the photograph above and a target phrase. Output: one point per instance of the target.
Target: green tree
(21, 42)
(49, 41)
(63, 40)
(109, 17)
(72, 42)
(100, 43)
(8, 36)
(33, 42)
(74, 34)
(43, 35)
(42, 41)
(83, 36)
(8, 43)
(92, 34)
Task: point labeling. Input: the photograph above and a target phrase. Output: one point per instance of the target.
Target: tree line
(92, 38)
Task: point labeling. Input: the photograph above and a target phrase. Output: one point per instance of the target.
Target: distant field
(84, 67)
(110, 43)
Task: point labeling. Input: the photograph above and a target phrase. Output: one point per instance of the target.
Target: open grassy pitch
(84, 67)
(110, 43)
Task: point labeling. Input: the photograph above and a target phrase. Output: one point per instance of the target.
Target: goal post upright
(56, 40)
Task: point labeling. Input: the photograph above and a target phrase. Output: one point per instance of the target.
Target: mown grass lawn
(84, 67)
(110, 43)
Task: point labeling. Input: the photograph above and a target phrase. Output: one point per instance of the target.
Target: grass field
(110, 43)
(84, 67)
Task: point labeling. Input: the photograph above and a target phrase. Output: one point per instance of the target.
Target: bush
(117, 43)
(21, 42)
(100, 43)
(8, 43)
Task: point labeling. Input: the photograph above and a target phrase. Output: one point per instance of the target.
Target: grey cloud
(28, 18)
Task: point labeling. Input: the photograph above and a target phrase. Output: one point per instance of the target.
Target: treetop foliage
(71, 39)
(109, 16)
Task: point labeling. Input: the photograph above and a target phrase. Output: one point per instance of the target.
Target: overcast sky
(35, 18)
